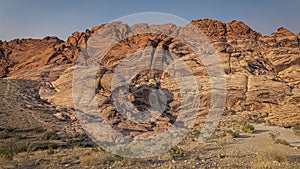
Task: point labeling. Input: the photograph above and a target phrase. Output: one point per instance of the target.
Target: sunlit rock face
(262, 72)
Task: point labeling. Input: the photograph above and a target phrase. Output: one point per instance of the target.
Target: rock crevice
(262, 72)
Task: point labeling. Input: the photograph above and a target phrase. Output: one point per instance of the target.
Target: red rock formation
(219, 31)
(263, 79)
(41, 59)
(281, 32)
(26, 55)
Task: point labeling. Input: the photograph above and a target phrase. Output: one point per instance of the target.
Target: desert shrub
(50, 151)
(10, 149)
(80, 137)
(10, 129)
(97, 148)
(42, 146)
(234, 134)
(4, 136)
(297, 130)
(281, 141)
(118, 158)
(248, 128)
(38, 129)
(195, 132)
(176, 152)
(50, 136)
(20, 137)
(37, 146)
(79, 141)
(73, 143)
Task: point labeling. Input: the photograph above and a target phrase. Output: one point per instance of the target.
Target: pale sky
(40, 18)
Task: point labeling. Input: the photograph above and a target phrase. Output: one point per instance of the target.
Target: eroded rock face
(219, 31)
(35, 59)
(41, 59)
(262, 81)
(262, 72)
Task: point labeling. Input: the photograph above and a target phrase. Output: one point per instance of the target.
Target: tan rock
(262, 72)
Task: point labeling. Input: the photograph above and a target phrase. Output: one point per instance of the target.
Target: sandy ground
(249, 150)
(21, 115)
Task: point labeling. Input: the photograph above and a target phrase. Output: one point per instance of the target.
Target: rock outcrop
(219, 31)
(262, 72)
(41, 59)
(35, 59)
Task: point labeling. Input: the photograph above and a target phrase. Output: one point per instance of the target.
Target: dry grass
(11, 148)
(281, 141)
(274, 159)
(91, 159)
(297, 130)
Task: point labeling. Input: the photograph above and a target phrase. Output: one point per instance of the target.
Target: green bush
(97, 148)
(248, 128)
(234, 134)
(195, 132)
(73, 143)
(50, 136)
(20, 137)
(4, 136)
(176, 152)
(42, 146)
(10, 149)
(10, 129)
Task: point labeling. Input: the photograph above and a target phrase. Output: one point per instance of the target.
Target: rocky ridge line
(262, 71)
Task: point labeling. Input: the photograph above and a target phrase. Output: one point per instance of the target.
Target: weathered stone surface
(41, 59)
(219, 31)
(262, 72)
(19, 56)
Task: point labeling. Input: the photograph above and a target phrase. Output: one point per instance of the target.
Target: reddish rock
(262, 71)
(282, 32)
(218, 31)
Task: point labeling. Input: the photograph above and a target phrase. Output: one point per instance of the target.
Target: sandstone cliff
(262, 72)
